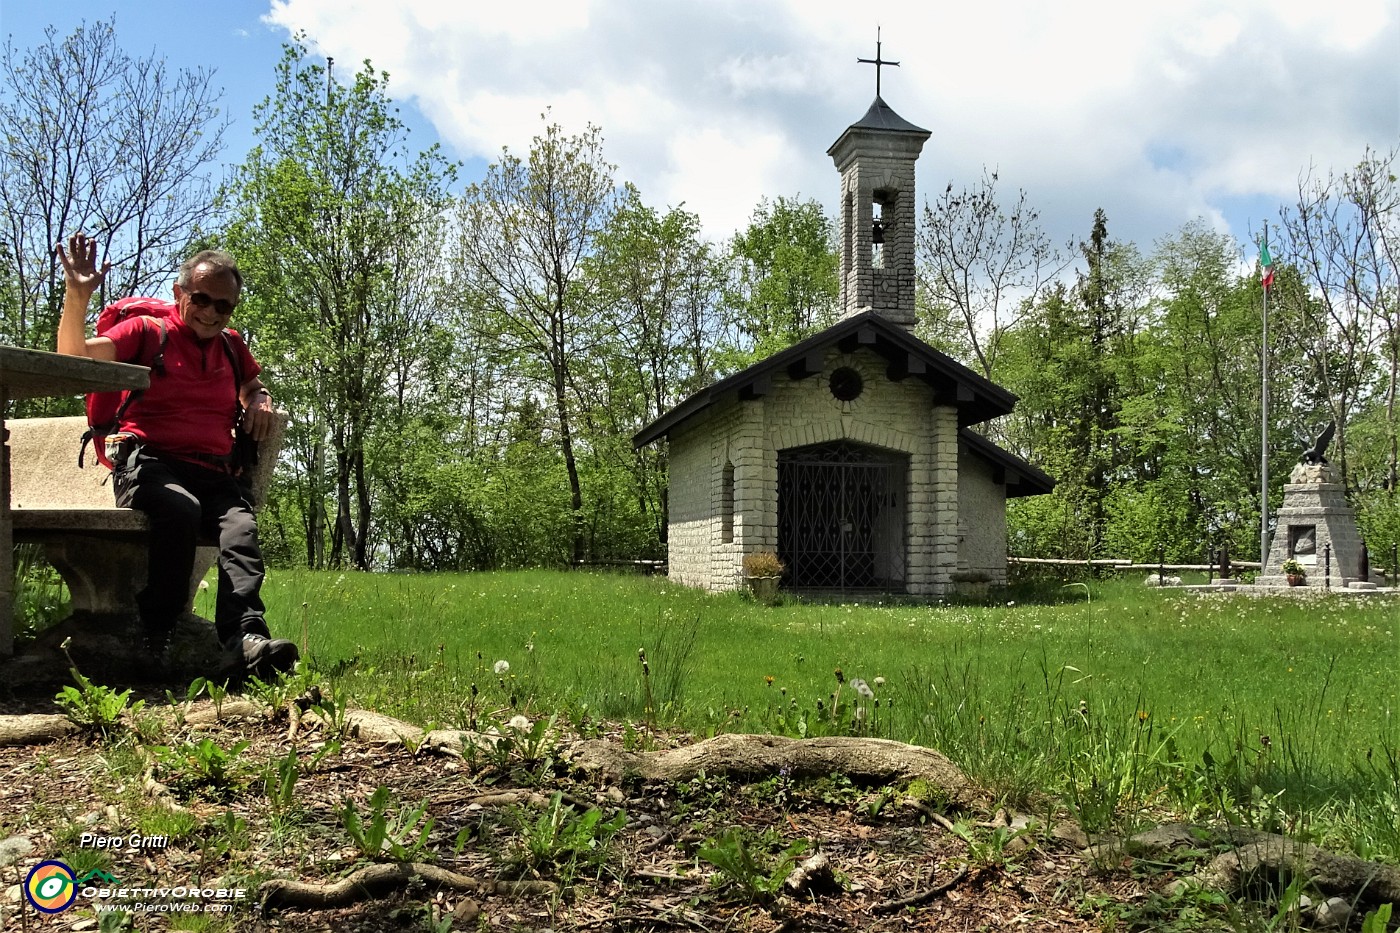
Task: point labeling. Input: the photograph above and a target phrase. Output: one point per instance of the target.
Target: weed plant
(563, 843)
(385, 831)
(95, 708)
(1125, 703)
(204, 766)
(754, 864)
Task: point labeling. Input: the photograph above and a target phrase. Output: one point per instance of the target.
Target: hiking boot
(258, 656)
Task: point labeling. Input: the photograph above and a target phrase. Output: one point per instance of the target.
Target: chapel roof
(976, 398)
(1019, 477)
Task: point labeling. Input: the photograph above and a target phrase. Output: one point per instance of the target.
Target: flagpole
(1264, 424)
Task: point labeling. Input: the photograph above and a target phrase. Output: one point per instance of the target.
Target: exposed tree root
(922, 897)
(35, 728)
(228, 709)
(1274, 860)
(877, 761)
(379, 880)
(1258, 861)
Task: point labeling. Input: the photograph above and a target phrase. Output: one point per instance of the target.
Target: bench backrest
(44, 471)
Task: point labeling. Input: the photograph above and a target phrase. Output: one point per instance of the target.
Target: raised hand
(80, 270)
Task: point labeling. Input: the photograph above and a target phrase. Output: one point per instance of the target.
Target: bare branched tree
(1341, 236)
(980, 262)
(98, 140)
(1372, 188)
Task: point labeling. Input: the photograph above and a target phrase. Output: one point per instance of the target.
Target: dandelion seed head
(13, 849)
(520, 723)
(501, 667)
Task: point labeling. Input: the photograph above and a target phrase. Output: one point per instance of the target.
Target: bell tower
(876, 156)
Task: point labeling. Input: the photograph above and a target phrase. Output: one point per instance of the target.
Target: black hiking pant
(184, 500)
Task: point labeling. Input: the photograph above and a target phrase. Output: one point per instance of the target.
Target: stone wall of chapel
(943, 493)
(899, 416)
(981, 519)
(697, 555)
(690, 526)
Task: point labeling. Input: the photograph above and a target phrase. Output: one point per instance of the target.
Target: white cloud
(1157, 112)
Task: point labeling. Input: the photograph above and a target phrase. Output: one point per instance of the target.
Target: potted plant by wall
(762, 571)
(1294, 571)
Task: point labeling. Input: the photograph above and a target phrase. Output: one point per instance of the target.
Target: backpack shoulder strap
(158, 361)
(234, 362)
(157, 367)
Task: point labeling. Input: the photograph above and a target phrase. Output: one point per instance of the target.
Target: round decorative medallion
(846, 384)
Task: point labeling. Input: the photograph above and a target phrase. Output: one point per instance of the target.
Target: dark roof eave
(984, 399)
(1032, 481)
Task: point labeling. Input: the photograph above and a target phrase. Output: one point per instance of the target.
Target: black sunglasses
(221, 306)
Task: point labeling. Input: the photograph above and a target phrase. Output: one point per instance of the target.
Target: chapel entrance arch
(842, 516)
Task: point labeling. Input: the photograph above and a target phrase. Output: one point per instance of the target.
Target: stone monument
(1315, 523)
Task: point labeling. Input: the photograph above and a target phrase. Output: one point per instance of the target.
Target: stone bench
(99, 550)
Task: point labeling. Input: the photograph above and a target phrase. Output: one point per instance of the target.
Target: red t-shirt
(189, 409)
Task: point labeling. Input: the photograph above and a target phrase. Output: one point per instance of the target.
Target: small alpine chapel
(849, 453)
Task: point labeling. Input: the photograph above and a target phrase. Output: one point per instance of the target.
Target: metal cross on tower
(877, 61)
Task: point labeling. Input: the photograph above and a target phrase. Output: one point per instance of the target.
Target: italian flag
(1266, 265)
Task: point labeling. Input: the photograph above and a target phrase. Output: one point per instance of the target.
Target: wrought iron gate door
(841, 517)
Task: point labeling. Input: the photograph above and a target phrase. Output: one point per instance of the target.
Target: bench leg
(104, 575)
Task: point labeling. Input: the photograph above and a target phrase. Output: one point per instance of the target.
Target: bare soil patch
(957, 867)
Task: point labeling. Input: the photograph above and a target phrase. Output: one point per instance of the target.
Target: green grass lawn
(1124, 702)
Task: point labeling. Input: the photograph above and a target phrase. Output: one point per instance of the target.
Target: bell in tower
(876, 156)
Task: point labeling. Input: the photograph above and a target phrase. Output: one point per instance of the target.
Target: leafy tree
(784, 280)
(1045, 359)
(527, 229)
(337, 225)
(1202, 416)
(97, 139)
(659, 283)
(1068, 359)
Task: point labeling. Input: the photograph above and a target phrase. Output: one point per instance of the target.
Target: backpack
(105, 409)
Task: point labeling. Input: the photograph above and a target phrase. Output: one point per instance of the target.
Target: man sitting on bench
(172, 453)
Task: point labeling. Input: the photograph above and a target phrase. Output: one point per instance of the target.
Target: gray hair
(215, 259)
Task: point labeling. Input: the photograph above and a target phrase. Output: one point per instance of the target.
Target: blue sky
(1158, 113)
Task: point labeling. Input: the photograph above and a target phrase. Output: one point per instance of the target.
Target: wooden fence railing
(1114, 565)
